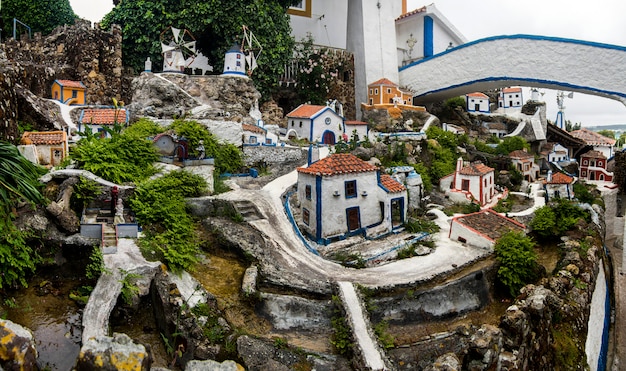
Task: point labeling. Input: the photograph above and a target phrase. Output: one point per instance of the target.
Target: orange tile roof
(489, 223)
(412, 12)
(560, 178)
(390, 184)
(383, 81)
(593, 154)
(511, 90)
(478, 95)
(592, 138)
(338, 163)
(253, 128)
(305, 111)
(43, 137)
(520, 154)
(476, 168)
(103, 116)
(356, 123)
(71, 84)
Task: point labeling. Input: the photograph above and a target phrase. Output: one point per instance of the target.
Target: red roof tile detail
(592, 138)
(71, 84)
(412, 12)
(478, 95)
(390, 184)
(356, 123)
(520, 154)
(252, 128)
(476, 168)
(560, 178)
(593, 154)
(305, 111)
(490, 223)
(103, 116)
(383, 81)
(338, 163)
(511, 90)
(43, 137)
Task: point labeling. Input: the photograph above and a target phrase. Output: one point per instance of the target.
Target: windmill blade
(176, 33)
(191, 46)
(166, 48)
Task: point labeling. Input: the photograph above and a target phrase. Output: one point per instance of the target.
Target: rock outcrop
(17, 347)
(118, 352)
(8, 100)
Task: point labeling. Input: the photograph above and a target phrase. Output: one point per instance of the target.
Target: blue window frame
(350, 188)
(306, 215)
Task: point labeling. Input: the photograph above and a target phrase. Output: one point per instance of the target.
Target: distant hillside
(615, 127)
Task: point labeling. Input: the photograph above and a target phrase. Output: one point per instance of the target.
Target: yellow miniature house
(384, 91)
(68, 92)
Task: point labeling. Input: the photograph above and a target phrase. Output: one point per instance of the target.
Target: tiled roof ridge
(338, 163)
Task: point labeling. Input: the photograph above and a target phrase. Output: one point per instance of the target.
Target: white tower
(235, 62)
(372, 40)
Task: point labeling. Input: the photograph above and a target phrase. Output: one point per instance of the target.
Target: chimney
(404, 9)
(549, 176)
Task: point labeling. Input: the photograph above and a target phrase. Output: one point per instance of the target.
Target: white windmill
(178, 48)
(560, 96)
(241, 59)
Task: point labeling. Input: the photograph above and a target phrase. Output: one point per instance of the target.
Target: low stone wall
(8, 100)
(273, 155)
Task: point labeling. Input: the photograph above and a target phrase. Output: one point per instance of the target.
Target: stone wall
(8, 100)
(272, 155)
(77, 52)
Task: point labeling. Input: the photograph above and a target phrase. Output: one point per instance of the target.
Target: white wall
(597, 315)
(328, 23)
(472, 238)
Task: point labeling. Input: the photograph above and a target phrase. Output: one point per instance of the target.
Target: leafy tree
(571, 127)
(446, 139)
(607, 133)
(216, 25)
(517, 260)
(510, 144)
(40, 15)
(620, 171)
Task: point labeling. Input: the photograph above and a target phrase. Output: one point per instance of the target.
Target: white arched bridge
(523, 60)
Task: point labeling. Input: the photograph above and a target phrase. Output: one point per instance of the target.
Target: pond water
(55, 320)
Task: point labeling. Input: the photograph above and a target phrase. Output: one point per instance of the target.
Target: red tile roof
(478, 95)
(489, 223)
(592, 138)
(390, 184)
(71, 84)
(43, 137)
(103, 116)
(356, 123)
(412, 12)
(338, 163)
(520, 154)
(593, 154)
(253, 128)
(383, 81)
(305, 111)
(511, 90)
(560, 178)
(476, 168)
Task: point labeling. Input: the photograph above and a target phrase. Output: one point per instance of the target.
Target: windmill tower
(560, 97)
(241, 59)
(178, 48)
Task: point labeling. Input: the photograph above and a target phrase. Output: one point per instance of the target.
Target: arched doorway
(328, 137)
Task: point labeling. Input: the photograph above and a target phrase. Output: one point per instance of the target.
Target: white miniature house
(477, 102)
(342, 195)
(316, 124)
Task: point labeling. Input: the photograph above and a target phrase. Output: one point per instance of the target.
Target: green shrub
(544, 222)
(517, 260)
(144, 128)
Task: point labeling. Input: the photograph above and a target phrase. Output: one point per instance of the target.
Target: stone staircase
(248, 210)
(109, 239)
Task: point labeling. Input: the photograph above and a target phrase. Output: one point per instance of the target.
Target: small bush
(517, 260)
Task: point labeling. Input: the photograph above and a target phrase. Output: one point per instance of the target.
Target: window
(306, 215)
(301, 8)
(238, 56)
(252, 140)
(465, 185)
(268, 141)
(585, 162)
(238, 63)
(600, 163)
(292, 123)
(371, 101)
(300, 123)
(307, 191)
(388, 91)
(371, 91)
(462, 240)
(74, 93)
(375, 91)
(350, 188)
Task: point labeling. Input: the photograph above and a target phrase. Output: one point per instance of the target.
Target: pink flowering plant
(316, 71)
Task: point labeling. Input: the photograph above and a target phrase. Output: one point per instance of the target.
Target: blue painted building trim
(402, 216)
(428, 36)
(311, 124)
(519, 36)
(565, 86)
(295, 225)
(318, 207)
(604, 348)
(355, 231)
(239, 73)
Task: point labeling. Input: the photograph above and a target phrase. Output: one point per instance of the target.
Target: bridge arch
(524, 60)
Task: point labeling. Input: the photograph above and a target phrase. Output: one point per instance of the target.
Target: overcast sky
(599, 21)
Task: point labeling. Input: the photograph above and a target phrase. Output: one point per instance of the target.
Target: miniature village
(365, 232)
